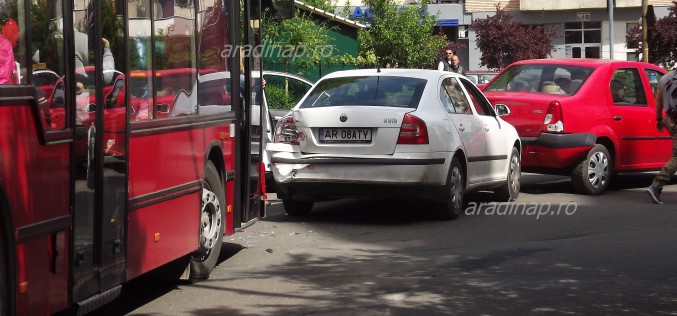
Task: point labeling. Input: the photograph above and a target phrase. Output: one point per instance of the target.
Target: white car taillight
(554, 121)
(285, 131)
(413, 131)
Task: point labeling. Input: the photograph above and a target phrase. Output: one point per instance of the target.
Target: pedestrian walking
(666, 98)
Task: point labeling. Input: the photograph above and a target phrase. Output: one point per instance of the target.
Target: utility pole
(645, 32)
(610, 5)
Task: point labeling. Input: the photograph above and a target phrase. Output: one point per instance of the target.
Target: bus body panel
(47, 292)
(36, 179)
(173, 171)
(162, 232)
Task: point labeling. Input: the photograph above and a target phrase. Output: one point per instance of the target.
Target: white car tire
(454, 192)
(510, 190)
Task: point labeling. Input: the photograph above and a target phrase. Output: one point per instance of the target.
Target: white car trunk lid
(345, 130)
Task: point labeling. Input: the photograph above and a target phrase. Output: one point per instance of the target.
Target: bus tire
(212, 225)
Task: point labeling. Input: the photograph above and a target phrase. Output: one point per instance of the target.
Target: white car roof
(427, 74)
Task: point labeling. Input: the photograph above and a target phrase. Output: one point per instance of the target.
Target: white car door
(498, 146)
(468, 125)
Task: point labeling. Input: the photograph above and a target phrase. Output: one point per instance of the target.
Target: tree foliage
(662, 38)
(320, 4)
(300, 33)
(401, 34)
(503, 41)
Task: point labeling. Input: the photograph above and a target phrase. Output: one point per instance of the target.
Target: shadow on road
(148, 287)
(544, 184)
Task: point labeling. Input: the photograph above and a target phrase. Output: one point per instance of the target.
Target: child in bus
(8, 38)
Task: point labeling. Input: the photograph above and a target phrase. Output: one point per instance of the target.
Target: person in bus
(8, 39)
(82, 59)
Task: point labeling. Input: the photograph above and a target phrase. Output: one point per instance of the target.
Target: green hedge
(278, 99)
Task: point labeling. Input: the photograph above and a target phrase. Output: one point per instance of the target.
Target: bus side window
(48, 68)
(141, 83)
(175, 59)
(213, 55)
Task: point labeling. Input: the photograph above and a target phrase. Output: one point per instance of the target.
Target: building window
(628, 28)
(633, 56)
(583, 39)
(583, 33)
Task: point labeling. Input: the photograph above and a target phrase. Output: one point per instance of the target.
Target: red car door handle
(618, 117)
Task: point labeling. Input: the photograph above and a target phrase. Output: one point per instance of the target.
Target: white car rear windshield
(404, 92)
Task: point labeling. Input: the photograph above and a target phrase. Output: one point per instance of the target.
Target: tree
(662, 38)
(502, 41)
(401, 34)
(291, 36)
(320, 4)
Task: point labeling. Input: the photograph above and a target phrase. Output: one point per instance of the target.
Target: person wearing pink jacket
(8, 38)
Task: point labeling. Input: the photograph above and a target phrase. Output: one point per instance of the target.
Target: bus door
(251, 144)
(99, 150)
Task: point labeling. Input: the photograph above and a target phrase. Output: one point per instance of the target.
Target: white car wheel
(509, 191)
(452, 207)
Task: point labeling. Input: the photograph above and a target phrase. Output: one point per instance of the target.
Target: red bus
(112, 164)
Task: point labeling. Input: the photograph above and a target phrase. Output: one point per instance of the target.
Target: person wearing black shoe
(666, 98)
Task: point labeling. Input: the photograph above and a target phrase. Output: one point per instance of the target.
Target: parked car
(396, 132)
(480, 77)
(587, 118)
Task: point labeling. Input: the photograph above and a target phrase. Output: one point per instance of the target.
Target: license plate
(345, 135)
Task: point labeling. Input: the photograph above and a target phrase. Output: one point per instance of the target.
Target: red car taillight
(554, 121)
(413, 131)
(285, 131)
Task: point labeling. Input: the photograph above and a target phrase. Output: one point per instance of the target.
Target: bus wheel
(212, 224)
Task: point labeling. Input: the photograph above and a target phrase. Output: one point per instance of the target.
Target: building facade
(588, 27)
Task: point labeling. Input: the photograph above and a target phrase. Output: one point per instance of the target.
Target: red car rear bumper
(556, 150)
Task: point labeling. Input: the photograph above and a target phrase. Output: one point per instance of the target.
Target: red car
(587, 118)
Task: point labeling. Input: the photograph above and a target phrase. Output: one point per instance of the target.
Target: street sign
(583, 16)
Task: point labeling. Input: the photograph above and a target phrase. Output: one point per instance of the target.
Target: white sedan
(394, 132)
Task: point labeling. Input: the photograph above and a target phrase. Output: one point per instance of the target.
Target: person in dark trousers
(666, 98)
(446, 64)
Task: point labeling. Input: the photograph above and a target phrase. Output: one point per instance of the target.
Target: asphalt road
(613, 254)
